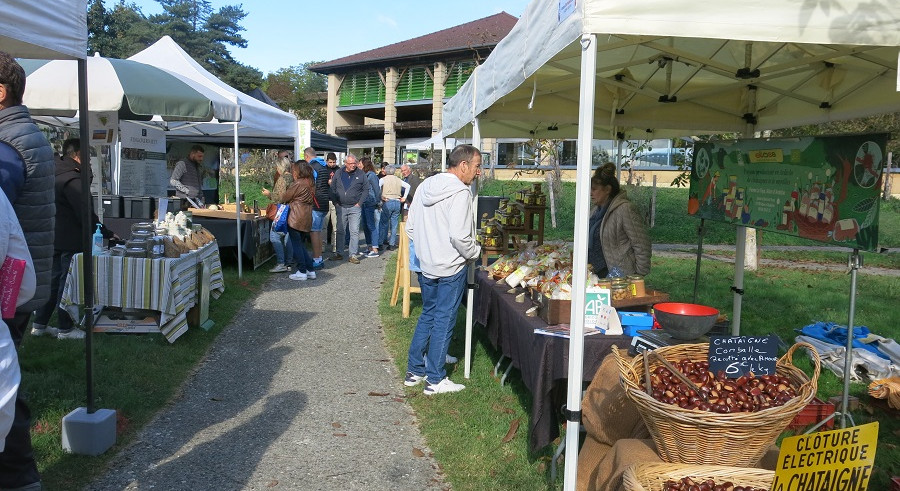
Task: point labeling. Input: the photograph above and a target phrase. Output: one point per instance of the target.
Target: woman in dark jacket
(299, 196)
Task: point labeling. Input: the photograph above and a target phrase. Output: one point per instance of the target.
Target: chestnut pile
(718, 393)
(688, 484)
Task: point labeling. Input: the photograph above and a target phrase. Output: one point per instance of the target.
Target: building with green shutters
(387, 99)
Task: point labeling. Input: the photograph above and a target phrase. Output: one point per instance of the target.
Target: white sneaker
(72, 334)
(298, 276)
(310, 275)
(442, 387)
(42, 330)
(279, 268)
(372, 253)
(451, 359)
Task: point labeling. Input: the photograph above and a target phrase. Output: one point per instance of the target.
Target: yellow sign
(766, 155)
(839, 460)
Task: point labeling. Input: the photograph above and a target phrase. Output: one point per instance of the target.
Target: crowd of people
(355, 198)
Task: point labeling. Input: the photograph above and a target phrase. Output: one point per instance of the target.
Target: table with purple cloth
(543, 361)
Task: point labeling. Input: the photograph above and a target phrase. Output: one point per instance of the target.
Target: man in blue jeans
(442, 226)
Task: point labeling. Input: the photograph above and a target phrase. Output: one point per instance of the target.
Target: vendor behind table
(188, 175)
(619, 244)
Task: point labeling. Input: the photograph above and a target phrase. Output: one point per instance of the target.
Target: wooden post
(653, 204)
(403, 276)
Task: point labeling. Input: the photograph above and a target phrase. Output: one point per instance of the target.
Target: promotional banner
(820, 188)
(102, 128)
(142, 171)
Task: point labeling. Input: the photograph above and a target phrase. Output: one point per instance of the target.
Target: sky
(283, 33)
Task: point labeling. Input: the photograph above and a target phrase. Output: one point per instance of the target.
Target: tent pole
(470, 274)
(700, 231)
(237, 200)
(855, 263)
(87, 270)
(579, 263)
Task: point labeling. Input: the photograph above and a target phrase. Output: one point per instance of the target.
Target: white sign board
(142, 171)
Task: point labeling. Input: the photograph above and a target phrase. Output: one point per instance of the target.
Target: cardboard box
(143, 321)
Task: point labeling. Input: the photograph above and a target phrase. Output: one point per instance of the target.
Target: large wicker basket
(652, 476)
(706, 438)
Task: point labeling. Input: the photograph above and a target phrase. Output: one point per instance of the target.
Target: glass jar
(536, 188)
(636, 285)
(619, 289)
(541, 200)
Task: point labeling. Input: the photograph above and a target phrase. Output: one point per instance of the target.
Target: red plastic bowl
(685, 321)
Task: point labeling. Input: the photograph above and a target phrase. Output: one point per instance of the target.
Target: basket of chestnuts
(698, 417)
(656, 476)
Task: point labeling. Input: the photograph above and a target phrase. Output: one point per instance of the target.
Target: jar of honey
(636, 285)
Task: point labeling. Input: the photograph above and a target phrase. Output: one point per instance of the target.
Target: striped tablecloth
(169, 286)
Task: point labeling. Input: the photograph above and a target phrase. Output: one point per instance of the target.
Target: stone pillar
(333, 99)
(391, 77)
(437, 101)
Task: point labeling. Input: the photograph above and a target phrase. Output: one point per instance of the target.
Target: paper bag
(608, 321)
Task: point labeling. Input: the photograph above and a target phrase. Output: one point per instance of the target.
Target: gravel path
(298, 393)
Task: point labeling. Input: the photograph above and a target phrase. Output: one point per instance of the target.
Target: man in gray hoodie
(442, 227)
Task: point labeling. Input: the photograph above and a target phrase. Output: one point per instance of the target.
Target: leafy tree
(118, 32)
(204, 33)
(299, 90)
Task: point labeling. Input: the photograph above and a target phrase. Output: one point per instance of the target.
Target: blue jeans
(370, 225)
(440, 302)
(58, 275)
(303, 259)
(284, 253)
(390, 216)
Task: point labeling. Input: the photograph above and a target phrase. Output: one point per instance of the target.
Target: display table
(255, 243)
(542, 360)
(168, 286)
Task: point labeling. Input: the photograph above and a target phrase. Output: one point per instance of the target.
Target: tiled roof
(481, 33)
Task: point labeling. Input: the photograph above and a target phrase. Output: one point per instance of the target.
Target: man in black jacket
(30, 167)
(349, 188)
(321, 200)
(67, 242)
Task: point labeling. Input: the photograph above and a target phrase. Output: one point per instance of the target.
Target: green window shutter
(361, 88)
(459, 73)
(415, 85)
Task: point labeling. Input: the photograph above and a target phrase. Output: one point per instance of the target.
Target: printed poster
(820, 188)
(102, 128)
(142, 171)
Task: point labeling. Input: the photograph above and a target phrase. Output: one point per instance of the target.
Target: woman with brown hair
(299, 196)
(618, 237)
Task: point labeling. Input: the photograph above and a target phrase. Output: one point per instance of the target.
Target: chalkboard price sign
(739, 355)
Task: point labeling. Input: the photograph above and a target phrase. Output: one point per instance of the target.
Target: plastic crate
(138, 207)
(112, 206)
(813, 413)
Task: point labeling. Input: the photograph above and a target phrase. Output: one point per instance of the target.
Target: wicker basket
(706, 438)
(653, 476)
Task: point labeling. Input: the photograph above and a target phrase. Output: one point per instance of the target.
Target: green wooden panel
(360, 89)
(459, 73)
(415, 85)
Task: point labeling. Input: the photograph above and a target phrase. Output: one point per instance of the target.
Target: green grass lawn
(134, 374)
(674, 226)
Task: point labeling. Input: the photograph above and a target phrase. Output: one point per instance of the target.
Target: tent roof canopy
(769, 64)
(256, 119)
(24, 29)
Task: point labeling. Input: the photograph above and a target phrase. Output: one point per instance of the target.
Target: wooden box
(200, 212)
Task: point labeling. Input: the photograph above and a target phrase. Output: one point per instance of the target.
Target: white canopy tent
(254, 119)
(675, 67)
(44, 30)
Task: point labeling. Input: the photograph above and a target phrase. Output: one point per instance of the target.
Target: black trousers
(17, 465)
